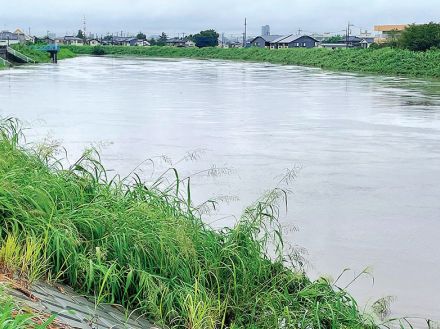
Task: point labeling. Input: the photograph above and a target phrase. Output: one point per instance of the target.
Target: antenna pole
(245, 33)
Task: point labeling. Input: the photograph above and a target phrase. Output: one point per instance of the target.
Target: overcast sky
(176, 16)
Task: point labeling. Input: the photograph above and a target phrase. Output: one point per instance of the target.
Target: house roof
(267, 38)
(291, 38)
(280, 38)
(124, 39)
(72, 38)
(6, 35)
(176, 40)
(368, 40)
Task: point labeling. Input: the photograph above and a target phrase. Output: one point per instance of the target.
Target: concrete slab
(76, 310)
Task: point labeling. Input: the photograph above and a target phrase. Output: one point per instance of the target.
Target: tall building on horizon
(265, 30)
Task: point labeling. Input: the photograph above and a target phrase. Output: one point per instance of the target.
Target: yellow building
(386, 32)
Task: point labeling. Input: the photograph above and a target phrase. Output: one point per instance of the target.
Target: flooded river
(366, 151)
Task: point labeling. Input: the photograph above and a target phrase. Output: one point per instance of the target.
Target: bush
(98, 51)
(421, 37)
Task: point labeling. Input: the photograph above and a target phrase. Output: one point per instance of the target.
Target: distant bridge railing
(49, 48)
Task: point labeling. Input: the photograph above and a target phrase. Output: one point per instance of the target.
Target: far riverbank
(385, 61)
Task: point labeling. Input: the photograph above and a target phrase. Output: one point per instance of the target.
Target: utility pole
(347, 34)
(245, 33)
(84, 29)
(299, 31)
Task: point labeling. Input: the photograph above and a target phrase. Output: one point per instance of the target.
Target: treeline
(206, 38)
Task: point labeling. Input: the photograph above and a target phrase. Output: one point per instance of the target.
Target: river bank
(385, 61)
(129, 243)
(39, 56)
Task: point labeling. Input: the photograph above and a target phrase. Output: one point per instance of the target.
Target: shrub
(420, 37)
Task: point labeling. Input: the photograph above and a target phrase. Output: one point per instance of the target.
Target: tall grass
(381, 61)
(143, 247)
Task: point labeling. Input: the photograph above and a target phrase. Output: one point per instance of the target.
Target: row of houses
(18, 36)
(306, 41)
(116, 41)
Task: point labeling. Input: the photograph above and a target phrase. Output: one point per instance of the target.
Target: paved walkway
(77, 311)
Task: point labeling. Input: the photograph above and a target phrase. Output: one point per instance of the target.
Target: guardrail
(5, 62)
(19, 55)
(49, 47)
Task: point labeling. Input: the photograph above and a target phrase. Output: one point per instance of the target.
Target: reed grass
(386, 61)
(142, 246)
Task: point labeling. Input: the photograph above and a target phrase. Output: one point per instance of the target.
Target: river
(365, 149)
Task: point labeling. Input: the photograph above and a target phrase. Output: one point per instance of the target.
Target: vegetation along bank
(143, 247)
(386, 61)
(42, 56)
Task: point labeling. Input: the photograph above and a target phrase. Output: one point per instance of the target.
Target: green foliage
(420, 37)
(208, 38)
(379, 61)
(142, 246)
(334, 38)
(141, 36)
(80, 34)
(162, 40)
(98, 51)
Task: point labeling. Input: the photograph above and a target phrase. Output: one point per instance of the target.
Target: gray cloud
(175, 16)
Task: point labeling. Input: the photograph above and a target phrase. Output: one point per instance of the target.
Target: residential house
(8, 38)
(263, 41)
(143, 43)
(125, 41)
(350, 42)
(175, 42)
(24, 37)
(387, 32)
(93, 42)
(71, 40)
(294, 41)
(190, 44)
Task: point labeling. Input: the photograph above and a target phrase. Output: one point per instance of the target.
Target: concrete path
(77, 311)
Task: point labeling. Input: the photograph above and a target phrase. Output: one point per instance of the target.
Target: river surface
(366, 151)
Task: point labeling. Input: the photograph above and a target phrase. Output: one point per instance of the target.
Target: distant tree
(207, 38)
(108, 37)
(153, 42)
(334, 38)
(141, 36)
(80, 34)
(162, 39)
(420, 37)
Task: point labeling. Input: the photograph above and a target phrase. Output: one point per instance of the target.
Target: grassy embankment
(141, 246)
(384, 61)
(42, 56)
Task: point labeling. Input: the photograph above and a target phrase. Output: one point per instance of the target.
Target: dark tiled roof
(292, 38)
(6, 35)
